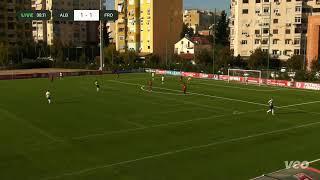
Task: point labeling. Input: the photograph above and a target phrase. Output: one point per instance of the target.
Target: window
(245, 1)
(258, 1)
(245, 11)
(275, 31)
(288, 0)
(264, 41)
(297, 19)
(298, 30)
(296, 41)
(296, 51)
(244, 42)
(266, 0)
(257, 41)
(265, 31)
(275, 21)
(298, 8)
(275, 52)
(275, 41)
(287, 41)
(266, 10)
(257, 31)
(288, 31)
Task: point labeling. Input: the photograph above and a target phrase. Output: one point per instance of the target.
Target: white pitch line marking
(230, 99)
(159, 125)
(199, 94)
(158, 92)
(83, 171)
(234, 87)
(30, 125)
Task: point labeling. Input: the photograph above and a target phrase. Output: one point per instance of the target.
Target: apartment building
(12, 31)
(276, 26)
(198, 20)
(148, 26)
(111, 27)
(77, 34)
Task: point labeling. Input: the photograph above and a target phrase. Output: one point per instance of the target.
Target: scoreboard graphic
(68, 15)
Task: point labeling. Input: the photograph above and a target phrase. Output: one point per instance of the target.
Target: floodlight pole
(101, 38)
(305, 49)
(214, 38)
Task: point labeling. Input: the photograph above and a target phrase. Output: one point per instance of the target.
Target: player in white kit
(48, 96)
(271, 107)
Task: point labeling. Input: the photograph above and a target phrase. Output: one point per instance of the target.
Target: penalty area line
(158, 92)
(225, 98)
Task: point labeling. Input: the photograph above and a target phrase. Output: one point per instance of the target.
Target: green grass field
(218, 131)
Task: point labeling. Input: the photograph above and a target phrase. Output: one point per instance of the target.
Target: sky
(200, 4)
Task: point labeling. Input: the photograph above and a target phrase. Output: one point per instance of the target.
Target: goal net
(244, 76)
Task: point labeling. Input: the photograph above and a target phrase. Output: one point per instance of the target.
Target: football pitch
(125, 132)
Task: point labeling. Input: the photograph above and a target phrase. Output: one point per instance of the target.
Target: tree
(153, 60)
(186, 31)
(224, 58)
(83, 58)
(315, 65)
(204, 57)
(275, 63)
(110, 54)
(258, 59)
(129, 57)
(295, 62)
(222, 30)
(56, 48)
(3, 55)
(239, 62)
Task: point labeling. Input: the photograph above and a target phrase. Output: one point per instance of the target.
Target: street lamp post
(269, 43)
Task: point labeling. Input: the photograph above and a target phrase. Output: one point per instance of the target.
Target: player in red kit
(184, 88)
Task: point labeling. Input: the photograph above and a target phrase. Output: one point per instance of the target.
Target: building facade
(313, 39)
(192, 45)
(12, 31)
(77, 34)
(148, 26)
(276, 26)
(184, 46)
(198, 20)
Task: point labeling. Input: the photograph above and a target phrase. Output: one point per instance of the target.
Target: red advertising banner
(312, 86)
(252, 80)
(162, 72)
